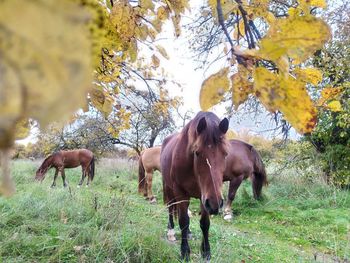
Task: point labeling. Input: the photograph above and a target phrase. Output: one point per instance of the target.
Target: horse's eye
(196, 153)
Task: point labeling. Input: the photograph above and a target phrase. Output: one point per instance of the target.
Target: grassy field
(298, 221)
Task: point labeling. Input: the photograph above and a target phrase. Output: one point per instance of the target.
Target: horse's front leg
(54, 179)
(63, 177)
(184, 222)
(205, 224)
(234, 184)
(171, 231)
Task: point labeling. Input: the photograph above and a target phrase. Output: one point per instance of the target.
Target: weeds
(297, 221)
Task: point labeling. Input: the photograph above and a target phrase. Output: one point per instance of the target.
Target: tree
(151, 118)
(52, 76)
(267, 45)
(331, 137)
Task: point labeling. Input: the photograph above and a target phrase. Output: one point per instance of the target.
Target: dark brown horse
(192, 165)
(243, 162)
(68, 159)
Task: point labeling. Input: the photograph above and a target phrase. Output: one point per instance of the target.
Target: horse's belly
(71, 164)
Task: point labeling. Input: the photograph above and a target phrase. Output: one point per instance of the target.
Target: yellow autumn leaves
(39, 78)
(287, 44)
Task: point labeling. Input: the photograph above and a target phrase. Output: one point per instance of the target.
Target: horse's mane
(44, 166)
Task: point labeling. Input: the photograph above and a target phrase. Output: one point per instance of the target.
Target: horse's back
(74, 158)
(240, 160)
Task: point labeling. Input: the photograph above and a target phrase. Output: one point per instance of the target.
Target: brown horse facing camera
(148, 162)
(68, 159)
(192, 165)
(243, 162)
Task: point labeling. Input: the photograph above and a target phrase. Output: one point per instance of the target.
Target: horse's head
(40, 174)
(210, 149)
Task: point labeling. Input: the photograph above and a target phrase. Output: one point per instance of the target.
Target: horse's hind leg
(54, 179)
(88, 176)
(83, 173)
(63, 178)
(149, 178)
(234, 184)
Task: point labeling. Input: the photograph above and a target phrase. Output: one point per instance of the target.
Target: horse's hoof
(171, 235)
(153, 200)
(228, 217)
(78, 186)
(189, 236)
(87, 185)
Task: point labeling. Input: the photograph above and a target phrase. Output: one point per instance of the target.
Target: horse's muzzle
(213, 209)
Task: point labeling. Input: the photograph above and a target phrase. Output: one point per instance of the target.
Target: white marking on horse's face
(208, 163)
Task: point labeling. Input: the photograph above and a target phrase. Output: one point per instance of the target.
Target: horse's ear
(223, 126)
(202, 124)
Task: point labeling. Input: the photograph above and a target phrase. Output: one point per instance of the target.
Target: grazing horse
(68, 159)
(243, 161)
(192, 165)
(148, 162)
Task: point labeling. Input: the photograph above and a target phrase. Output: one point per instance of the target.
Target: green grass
(297, 221)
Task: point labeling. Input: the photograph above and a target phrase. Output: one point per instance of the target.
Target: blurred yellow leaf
(316, 3)
(213, 89)
(309, 75)
(335, 106)
(278, 92)
(102, 100)
(22, 129)
(146, 4)
(241, 87)
(298, 37)
(162, 51)
(162, 13)
(155, 61)
(328, 93)
(7, 187)
(239, 28)
(227, 7)
(45, 60)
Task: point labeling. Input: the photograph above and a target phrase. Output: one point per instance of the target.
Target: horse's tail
(259, 176)
(142, 178)
(92, 168)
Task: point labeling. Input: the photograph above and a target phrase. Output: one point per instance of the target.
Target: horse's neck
(47, 163)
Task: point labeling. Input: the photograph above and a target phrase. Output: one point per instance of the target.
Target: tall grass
(297, 221)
